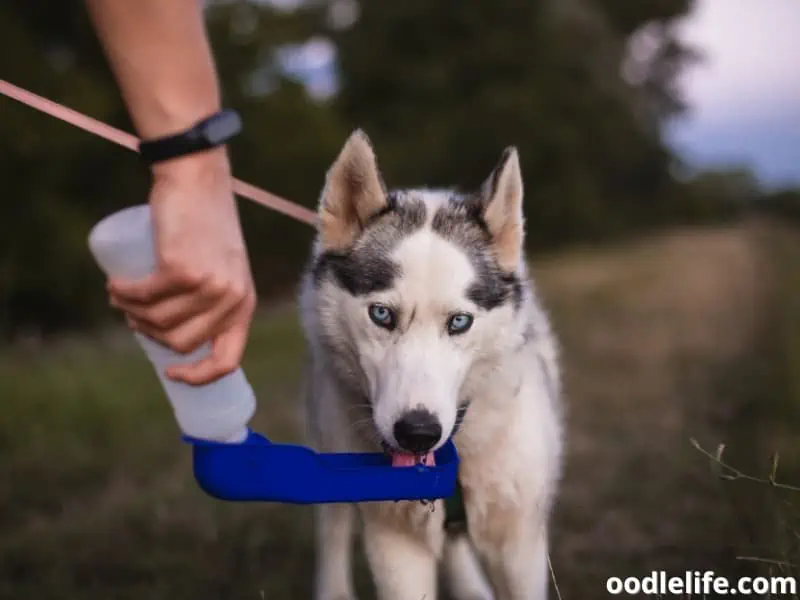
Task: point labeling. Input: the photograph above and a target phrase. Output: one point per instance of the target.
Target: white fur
(423, 367)
(510, 442)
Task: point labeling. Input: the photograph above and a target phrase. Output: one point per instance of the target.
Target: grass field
(693, 334)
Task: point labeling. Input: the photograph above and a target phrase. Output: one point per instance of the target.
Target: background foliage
(583, 88)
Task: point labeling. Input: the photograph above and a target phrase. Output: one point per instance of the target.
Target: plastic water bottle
(122, 245)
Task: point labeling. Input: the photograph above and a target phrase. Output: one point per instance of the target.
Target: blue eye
(382, 316)
(459, 323)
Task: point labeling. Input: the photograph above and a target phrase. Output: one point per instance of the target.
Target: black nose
(417, 431)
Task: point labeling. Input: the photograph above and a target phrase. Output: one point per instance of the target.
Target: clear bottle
(122, 245)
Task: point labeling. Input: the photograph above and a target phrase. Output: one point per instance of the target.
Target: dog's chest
(422, 521)
(485, 494)
(493, 503)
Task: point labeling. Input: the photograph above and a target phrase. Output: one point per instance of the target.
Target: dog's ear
(353, 192)
(501, 208)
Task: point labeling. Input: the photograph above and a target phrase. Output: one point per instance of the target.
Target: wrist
(211, 132)
(207, 169)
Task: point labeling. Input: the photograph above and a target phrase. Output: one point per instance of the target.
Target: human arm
(203, 289)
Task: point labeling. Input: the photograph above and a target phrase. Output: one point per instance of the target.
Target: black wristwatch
(204, 135)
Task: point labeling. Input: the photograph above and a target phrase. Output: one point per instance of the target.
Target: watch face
(221, 128)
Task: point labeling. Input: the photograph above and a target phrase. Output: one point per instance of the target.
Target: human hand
(202, 289)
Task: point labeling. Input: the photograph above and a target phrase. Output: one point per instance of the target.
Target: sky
(745, 95)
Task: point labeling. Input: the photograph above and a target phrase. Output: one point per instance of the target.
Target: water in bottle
(122, 245)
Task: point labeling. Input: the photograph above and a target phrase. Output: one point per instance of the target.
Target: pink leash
(122, 138)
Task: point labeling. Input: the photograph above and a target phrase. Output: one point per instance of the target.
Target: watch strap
(209, 133)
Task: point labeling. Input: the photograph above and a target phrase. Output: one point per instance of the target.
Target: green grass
(664, 340)
(98, 499)
(765, 481)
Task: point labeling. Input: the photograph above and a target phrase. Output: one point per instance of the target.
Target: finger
(191, 334)
(225, 357)
(152, 288)
(167, 313)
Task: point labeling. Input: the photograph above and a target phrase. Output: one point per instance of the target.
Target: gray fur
(366, 267)
(460, 222)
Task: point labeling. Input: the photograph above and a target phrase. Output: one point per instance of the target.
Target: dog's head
(416, 292)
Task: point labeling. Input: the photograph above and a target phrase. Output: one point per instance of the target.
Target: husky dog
(422, 325)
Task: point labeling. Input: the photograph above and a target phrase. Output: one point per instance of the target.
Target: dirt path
(652, 342)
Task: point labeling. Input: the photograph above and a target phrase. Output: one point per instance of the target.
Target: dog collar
(455, 513)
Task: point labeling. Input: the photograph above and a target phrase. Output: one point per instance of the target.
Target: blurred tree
(783, 203)
(629, 17)
(59, 180)
(450, 83)
(582, 87)
(53, 174)
(714, 193)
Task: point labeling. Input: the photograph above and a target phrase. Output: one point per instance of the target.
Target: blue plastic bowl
(258, 470)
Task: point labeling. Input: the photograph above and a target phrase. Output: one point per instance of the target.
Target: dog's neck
(495, 401)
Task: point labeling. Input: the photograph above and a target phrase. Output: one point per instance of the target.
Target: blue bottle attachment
(232, 462)
(259, 470)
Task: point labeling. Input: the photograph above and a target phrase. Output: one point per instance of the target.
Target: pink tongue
(407, 459)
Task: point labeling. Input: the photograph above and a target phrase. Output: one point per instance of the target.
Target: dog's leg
(403, 566)
(462, 571)
(517, 567)
(334, 530)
